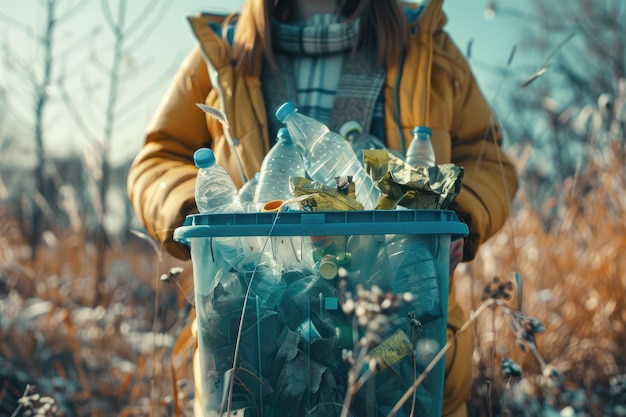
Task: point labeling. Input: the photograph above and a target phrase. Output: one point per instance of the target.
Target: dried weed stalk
(370, 311)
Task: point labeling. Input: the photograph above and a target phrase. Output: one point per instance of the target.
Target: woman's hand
(456, 254)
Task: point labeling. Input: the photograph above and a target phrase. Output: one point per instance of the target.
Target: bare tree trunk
(40, 106)
(114, 79)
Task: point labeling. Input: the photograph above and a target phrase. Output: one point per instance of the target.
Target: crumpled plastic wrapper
(315, 196)
(412, 187)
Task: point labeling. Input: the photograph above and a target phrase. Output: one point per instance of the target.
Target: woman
(388, 67)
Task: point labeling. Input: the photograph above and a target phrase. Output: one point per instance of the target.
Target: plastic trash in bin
(215, 190)
(413, 262)
(267, 283)
(246, 192)
(421, 152)
(352, 131)
(369, 262)
(281, 162)
(289, 358)
(327, 154)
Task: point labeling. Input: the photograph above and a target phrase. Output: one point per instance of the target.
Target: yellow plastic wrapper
(315, 196)
(393, 349)
(412, 187)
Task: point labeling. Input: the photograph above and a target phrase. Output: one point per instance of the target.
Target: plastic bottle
(369, 264)
(412, 258)
(217, 193)
(215, 190)
(246, 192)
(327, 154)
(327, 267)
(352, 131)
(266, 282)
(421, 152)
(280, 163)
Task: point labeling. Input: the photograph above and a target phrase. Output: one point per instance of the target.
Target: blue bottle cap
(204, 158)
(422, 129)
(285, 111)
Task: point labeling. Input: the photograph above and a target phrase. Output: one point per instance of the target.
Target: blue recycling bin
(269, 289)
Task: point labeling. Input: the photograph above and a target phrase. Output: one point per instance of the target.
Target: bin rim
(321, 223)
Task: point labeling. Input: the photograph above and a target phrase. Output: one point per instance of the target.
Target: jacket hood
(428, 13)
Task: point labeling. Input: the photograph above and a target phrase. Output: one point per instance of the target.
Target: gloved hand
(456, 254)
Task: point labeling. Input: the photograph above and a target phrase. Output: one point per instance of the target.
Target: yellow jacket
(431, 85)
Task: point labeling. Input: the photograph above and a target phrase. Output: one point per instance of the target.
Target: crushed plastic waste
(293, 329)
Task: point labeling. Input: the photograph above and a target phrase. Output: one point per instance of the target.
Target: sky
(156, 53)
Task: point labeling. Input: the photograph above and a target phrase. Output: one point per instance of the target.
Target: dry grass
(116, 359)
(574, 282)
(113, 359)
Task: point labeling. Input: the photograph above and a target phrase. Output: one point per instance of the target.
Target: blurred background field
(90, 309)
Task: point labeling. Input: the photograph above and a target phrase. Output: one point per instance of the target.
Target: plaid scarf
(320, 35)
(320, 73)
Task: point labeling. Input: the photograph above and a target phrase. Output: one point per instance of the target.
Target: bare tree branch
(72, 48)
(108, 16)
(19, 67)
(557, 49)
(72, 10)
(75, 113)
(148, 26)
(25, 29)
(149, 89)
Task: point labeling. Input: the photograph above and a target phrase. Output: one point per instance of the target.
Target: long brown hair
(383, 27)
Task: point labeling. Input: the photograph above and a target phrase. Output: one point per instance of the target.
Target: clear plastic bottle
(327, 154)
(421, 152)
(246, 192)
(266, 282)
(215, 190)
(352, 131)
(280, 163)
(217, 193)
(412, 257)
(369, 264)
(414, 270)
